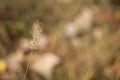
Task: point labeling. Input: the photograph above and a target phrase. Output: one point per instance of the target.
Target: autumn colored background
(80, 39)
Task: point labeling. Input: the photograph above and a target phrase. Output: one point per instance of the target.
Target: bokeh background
(80, 39)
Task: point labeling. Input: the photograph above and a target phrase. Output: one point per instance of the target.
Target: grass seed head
(36, 33)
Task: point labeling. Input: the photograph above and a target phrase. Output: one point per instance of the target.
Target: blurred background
(80, 39)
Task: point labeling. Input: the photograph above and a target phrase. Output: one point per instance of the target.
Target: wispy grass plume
(36, 33)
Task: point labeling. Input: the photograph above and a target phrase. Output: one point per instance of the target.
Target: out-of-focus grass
(90, 59)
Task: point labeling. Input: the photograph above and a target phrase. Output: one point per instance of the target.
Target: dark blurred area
(80, 39)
